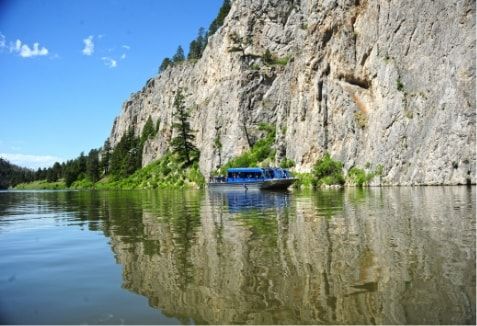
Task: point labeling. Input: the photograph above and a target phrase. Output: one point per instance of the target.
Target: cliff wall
(387, 83)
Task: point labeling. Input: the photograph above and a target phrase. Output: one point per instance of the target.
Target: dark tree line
(11, 174)
(122, 160)
(197, 46)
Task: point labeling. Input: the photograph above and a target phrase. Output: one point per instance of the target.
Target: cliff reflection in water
(386, 256)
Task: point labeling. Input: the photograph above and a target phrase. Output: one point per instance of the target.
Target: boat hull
(276, 184)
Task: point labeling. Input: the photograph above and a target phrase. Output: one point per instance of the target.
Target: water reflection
(377, 256)
(237, 201)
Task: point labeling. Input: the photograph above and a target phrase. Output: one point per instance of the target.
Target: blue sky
(67, 66)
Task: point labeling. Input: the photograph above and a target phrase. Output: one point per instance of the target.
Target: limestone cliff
(371, 82)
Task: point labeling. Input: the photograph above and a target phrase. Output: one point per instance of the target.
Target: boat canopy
(246, 170)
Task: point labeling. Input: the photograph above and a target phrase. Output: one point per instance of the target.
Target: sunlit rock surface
(387, 83)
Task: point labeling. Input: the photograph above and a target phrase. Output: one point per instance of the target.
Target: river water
(403, 255)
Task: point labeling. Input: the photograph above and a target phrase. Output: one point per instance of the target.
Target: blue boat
(254, 178)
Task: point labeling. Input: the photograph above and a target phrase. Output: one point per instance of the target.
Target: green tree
(165, 63)
(182, 144)
(92, 165)
(219, 20)
(105, 157)
(127, 155)
(179, 56)
(194, 50)
(72, 171)
(148, 130)
(197, 46)
(11, 174)
(82, 162)
(202, 39)
(53, 173)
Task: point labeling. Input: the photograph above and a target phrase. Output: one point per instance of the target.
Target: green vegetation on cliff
(120, 167)
(167, 172)
(260, 154)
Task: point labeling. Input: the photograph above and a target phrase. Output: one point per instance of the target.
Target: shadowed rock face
(389, 256)
(384, 82)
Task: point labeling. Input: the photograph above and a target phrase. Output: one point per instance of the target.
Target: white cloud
(127, 47)
(110, 62)
(3, 41)
(31, 161)
(88, 45)
(123, 56)
(27, 52)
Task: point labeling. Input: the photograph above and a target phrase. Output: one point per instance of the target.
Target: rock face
(388, 83)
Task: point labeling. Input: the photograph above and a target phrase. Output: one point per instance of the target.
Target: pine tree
(219, 20)
(82, 161)
(57, 171)
(148, 130)
(182, 144)
(202, 39)
(105, 157)
(165, 63)
(194, 51)
(127, 155)
(179, 56)
(51, 175)
(197, 46)
(92, 165)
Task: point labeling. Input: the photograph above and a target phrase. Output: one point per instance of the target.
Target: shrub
(304, 180)
(269, 59)
(287, 163)
(399, 85)
(379, 170)
(359, 177)
(260, 153)
(328, 171)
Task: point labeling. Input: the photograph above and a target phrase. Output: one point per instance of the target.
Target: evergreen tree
(127, 155)
(92, 165)
(182, 144)
(179, 56)
(11, 174)
(72, 170)
(51, 175)
(219, 20)
(194, 50)
(57, 171)
(197, 46)
(202, 39)
(105, 157)
(165, 63)
(148, 130)
(81, 165)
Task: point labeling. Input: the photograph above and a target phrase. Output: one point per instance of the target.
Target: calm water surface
(378, 256)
